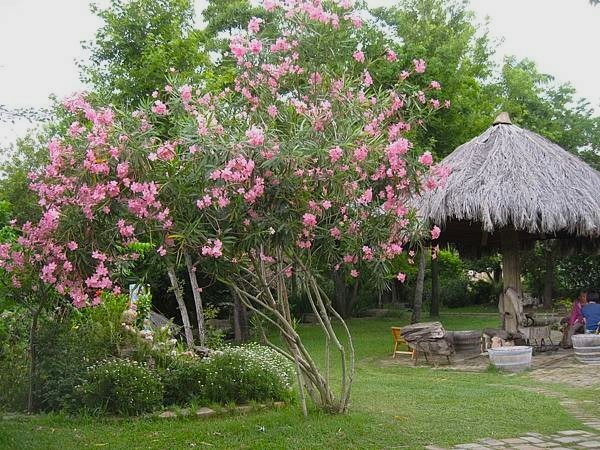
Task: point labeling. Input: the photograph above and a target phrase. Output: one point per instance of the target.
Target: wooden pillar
(549, 277)
(435, 288)
(510, 310)
(418, 303)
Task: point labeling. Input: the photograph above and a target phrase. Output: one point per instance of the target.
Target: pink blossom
(420, 65)
(335, 154)
(213, 248)
(391, 55)
(72, 245)
(435, 85)
(159, 108)
(435, 232)
(354, 273)
(161, 251)
(335, 233)
(426, 159)
(356, 21)
(255, 46)
(366, 197)
(367, 80)
(186, 93)
(254, 25)
(360, 154)
(326, 204)
(256, 136)
(166, 152)
(309, 220)
(315, 78)
(272, 111)
(401, 277)
(359, 56)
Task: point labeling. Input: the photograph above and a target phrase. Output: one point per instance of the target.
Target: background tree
(458, 52)
(139, 41)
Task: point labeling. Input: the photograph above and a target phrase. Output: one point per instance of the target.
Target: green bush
(120, 386)
(184, 381)
(14, 361)
(454, 292)
(247, 373)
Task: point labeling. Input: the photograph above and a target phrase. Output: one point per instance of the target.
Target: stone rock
(205, 412)
(243, 409)
(167, 415)
(184, 412)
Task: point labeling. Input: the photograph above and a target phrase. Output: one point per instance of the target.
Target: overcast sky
(40, 40)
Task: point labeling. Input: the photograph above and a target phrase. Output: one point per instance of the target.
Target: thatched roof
(511, 177)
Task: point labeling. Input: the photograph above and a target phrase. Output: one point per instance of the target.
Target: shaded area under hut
(508, 188)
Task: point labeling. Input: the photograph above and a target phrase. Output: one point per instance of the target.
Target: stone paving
(568, 439)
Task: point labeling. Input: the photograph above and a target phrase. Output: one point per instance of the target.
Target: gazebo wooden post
(511, 279)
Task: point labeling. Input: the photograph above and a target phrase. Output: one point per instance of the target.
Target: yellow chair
(399, 341)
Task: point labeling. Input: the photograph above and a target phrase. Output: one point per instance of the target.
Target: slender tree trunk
(549, 279)
(394, 294)
(352, 301)
(418, 303)
(340, 292)
(33, 330)
(435, 288)
(240, 318)
(197, 299)
(185, 318)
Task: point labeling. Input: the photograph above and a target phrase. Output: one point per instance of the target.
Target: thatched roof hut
(509, 177)
(509, 187)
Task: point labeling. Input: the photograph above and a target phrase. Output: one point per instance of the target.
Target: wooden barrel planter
(468, 341)
(587, 348)
(511, 359)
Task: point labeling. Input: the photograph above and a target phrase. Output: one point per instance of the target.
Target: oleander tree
(301, 168)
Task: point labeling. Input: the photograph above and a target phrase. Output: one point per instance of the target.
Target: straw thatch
(509, 177)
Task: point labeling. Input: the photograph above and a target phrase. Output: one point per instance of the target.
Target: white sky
(40, 42)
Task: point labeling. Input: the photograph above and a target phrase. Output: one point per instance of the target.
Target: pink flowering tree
(303, 167)
(82, 241)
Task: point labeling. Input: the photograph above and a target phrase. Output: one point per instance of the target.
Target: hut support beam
(510, 307)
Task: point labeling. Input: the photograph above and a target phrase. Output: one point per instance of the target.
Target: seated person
(591, 314)
(575, 323)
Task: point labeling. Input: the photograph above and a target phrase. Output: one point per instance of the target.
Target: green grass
(392, 406)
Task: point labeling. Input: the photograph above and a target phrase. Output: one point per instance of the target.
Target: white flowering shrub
(249, 372)
(120, 386)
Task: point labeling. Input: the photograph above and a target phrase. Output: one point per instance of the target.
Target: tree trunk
(394, 293)
(185, 318)
(33, 357)
(549, 279)
(340, 292)
(240, 319)
(511, 279)
(353, 299)
(418, 303)
(435, 288)
(197, 299)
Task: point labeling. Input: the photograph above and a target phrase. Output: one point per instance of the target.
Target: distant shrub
(120, 386)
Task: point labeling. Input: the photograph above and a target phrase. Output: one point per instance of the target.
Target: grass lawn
(392, 407)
